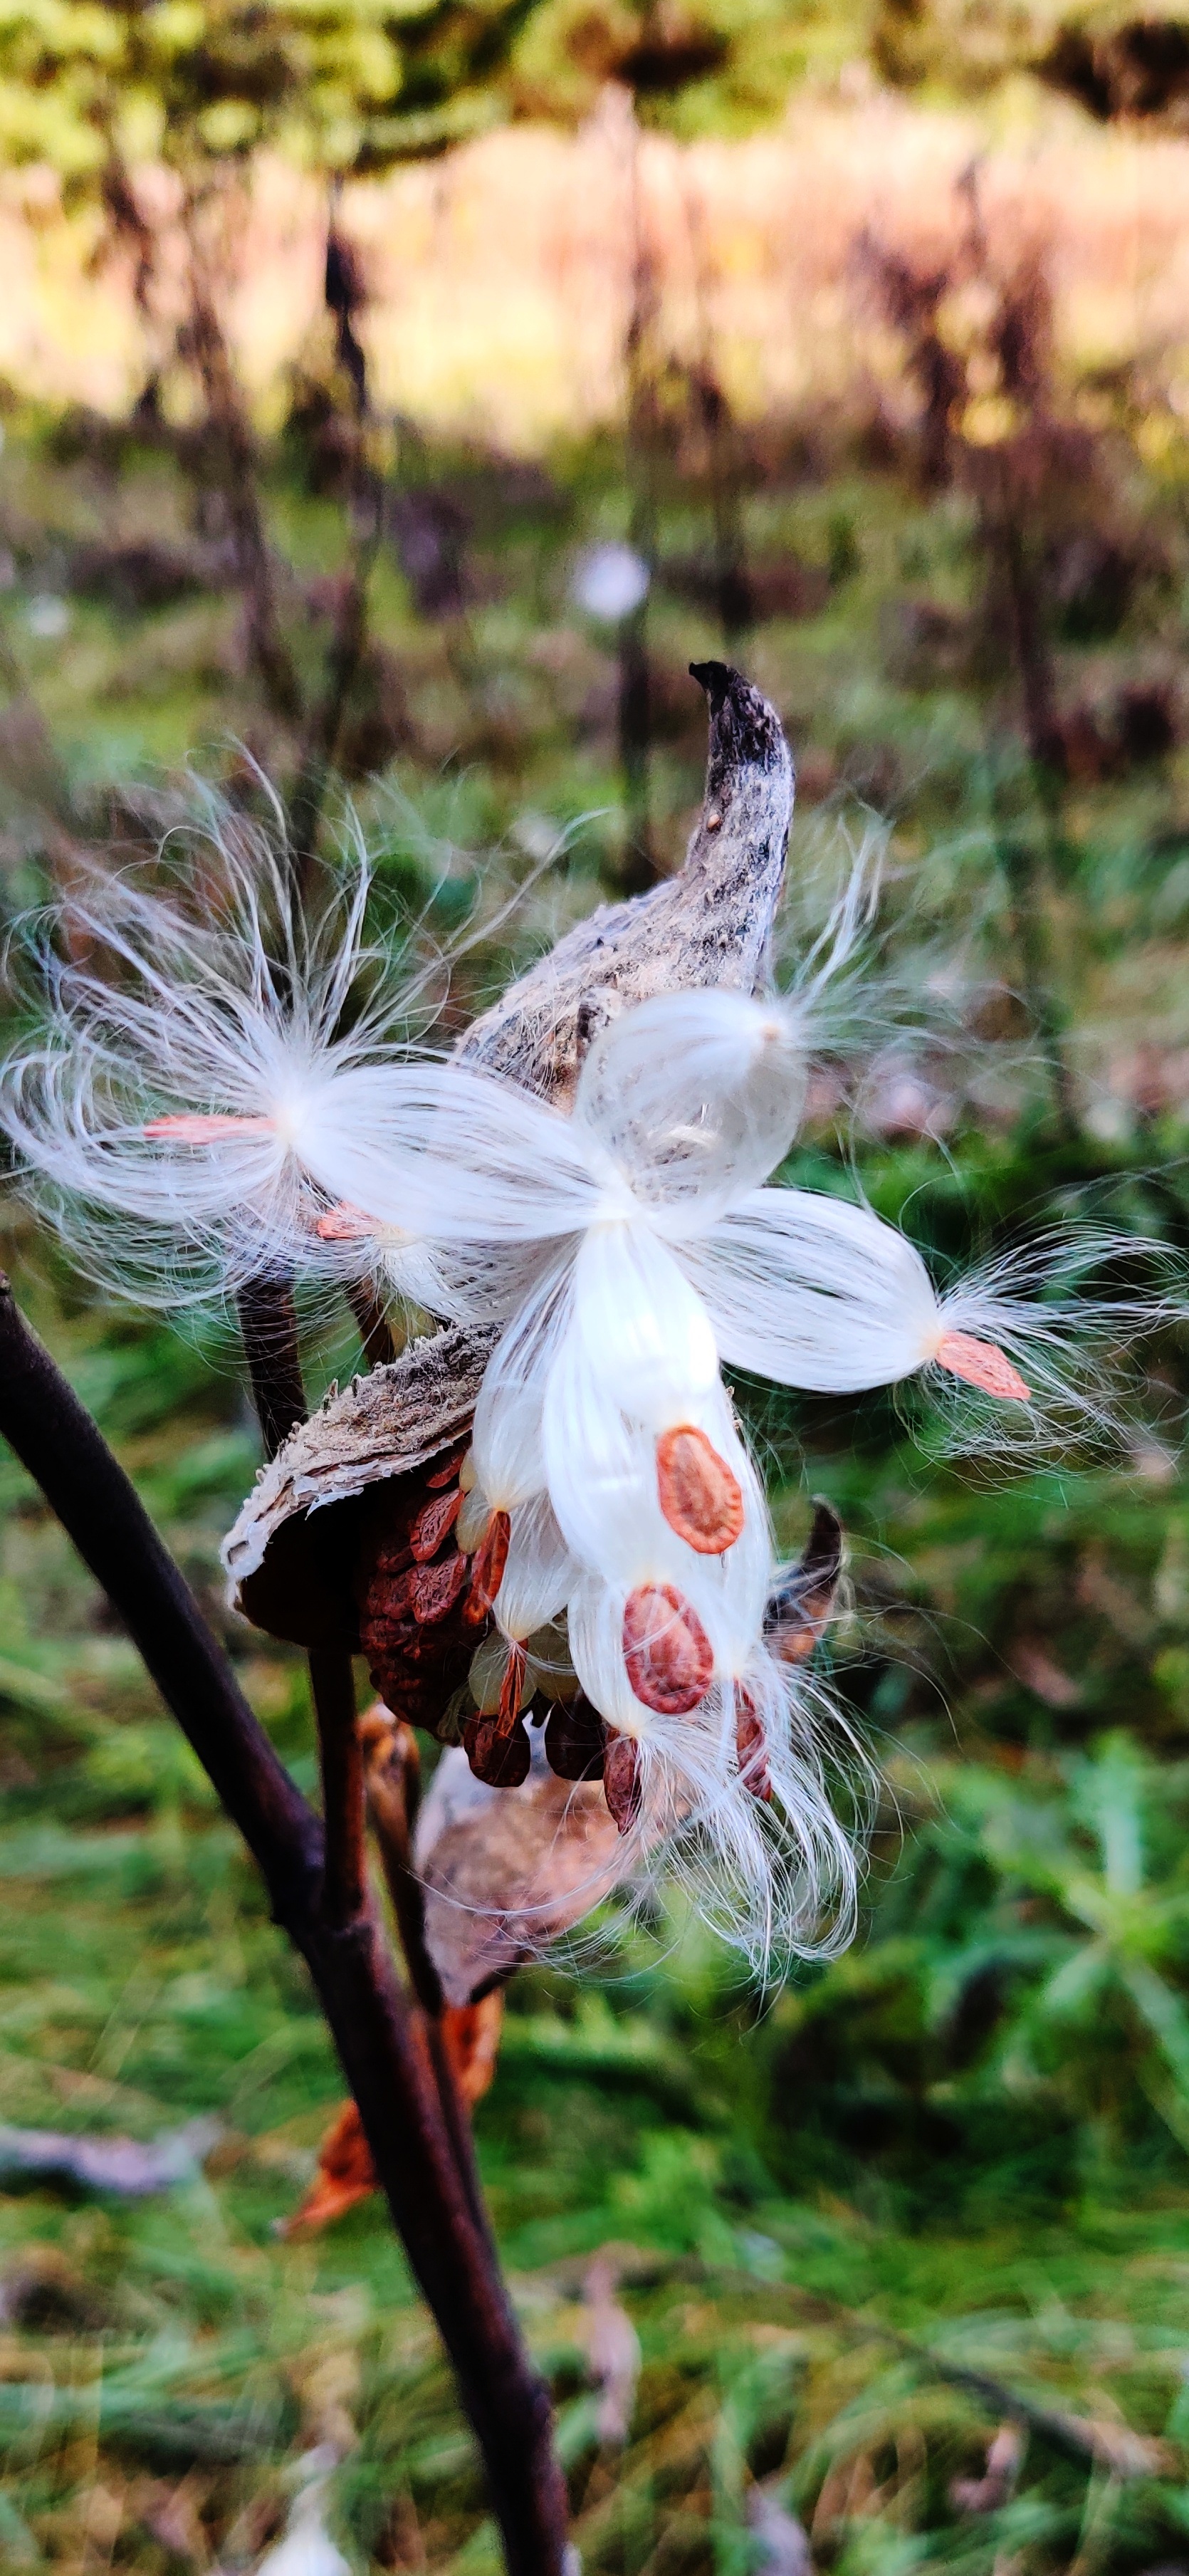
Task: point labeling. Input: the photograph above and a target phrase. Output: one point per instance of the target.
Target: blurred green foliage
(205, 82)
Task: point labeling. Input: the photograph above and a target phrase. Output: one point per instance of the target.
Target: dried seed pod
(433, 1524)
(700, 1495)
(500, 1758)
(751, 1747)
(798, 1615)
(669, 1657)
(504, 1871)
(575, 1740)
(623, 1787)
(487, 1568)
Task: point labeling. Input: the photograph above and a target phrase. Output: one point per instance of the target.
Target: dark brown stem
(333, 1684)
(343, 661)
(268, 1324)
(393, 1797)
(381, 2039)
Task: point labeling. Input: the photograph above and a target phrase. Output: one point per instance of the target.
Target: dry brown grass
(500, 277)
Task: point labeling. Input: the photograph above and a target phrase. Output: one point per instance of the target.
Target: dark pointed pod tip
(745, 731)
(715, 678)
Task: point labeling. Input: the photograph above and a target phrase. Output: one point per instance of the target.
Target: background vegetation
(892, 403)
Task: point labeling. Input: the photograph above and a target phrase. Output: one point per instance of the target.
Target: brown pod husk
(623, 1787)
(798, 1615)
(412, 1630)
(504, 1871)
(291, 1556)
(575, 1740)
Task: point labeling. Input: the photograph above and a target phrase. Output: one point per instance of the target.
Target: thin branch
(345, 297)
(393, 1797)
(333, 1683)
(381, 2038)
(375, 1331)
(268, 1323)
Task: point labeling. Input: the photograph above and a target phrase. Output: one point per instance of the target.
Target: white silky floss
(210, 1097)
(195, 1078)
(604, 1438)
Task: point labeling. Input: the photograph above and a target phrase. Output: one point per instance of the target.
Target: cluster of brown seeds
(413, 1590)
(424, 1606)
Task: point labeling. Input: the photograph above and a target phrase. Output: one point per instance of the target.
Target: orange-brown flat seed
(510, 1690)
(433, 1521)
(487, 1568)
(669, 1657)
(446, 1473)
(699, 1495)
(984, 1365)
(436, 1589)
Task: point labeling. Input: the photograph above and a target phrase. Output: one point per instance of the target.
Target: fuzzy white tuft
(197, 1072)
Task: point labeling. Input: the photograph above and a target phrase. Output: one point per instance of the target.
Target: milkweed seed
(487, 1568)
(751, 1746)
(669, 1657)
(433, 1521)
(700, 1497)
(446, 1473)
(503, 1761)
(981, 1364)
(344, 1224)
(436, 1589)
(212, 1130)
(510, 1690)
(623, 1787)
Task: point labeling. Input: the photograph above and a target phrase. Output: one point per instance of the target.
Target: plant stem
(268, 1323)
(381, 2038)
(333, 1683)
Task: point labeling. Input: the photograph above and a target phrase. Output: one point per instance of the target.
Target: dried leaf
(614, 2351)
(124, 2166)
(797, 1616)
(345, 2175)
